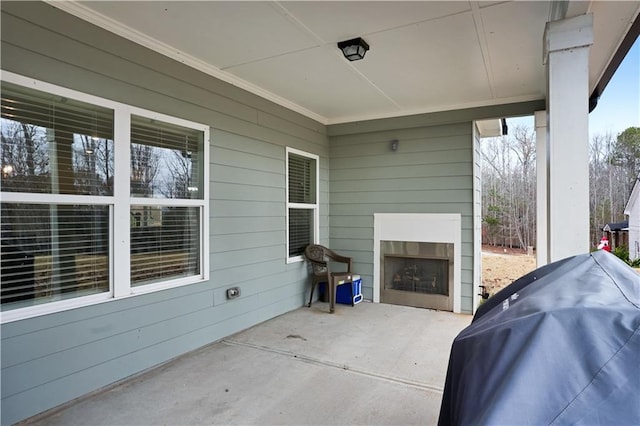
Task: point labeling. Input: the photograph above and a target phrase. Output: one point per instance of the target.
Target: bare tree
(523, 147)
(24, 156)
(179, 165)
(145, 163)
(508, 176)
(509, 182)
(93, 165)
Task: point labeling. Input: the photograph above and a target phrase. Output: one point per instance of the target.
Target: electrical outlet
(233, 292)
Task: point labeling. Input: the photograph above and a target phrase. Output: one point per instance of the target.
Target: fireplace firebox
(417, 273)
(430, 276)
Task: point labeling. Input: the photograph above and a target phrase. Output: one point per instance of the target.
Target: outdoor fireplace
(417, 260)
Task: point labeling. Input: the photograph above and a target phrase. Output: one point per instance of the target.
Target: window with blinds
(53, 149)
(168, 248)
(300, 230)
(52, 252)
(67, 239)
(302, 206)
(166, 160)
(302, 175)
(167, 163)
(55, 145)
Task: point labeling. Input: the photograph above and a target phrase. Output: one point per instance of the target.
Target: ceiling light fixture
(353, 49)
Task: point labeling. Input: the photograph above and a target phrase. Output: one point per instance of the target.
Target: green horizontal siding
(431, 172)
(229, 174)
(404, 184)
(52, 359)
(249, 225)
(409, 196)
(358, 208)
(401, 171)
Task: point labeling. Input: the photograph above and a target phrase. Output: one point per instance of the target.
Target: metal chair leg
(332, 295)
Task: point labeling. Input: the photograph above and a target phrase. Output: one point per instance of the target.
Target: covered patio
(373, 364)
(233, 134)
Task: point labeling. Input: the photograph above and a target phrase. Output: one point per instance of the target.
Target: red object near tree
(604, 244)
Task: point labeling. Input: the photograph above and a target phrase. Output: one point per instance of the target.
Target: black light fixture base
(353, 49)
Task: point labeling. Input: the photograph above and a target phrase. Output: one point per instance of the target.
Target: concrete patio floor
(368, 364)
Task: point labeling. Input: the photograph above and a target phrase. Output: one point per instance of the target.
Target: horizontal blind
(300, 230)
(52, 252)
(55, 145)
(167, 160)
(165, 243)
(301, 179)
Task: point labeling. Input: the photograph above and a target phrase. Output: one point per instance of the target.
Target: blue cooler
(349, 293)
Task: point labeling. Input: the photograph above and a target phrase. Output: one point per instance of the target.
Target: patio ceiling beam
(616, 60)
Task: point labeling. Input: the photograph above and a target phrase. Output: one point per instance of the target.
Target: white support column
(542, 255)
(567, 63)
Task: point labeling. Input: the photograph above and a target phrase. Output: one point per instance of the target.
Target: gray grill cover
(560, 345)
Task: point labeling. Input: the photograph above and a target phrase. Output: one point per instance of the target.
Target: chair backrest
(316, 253)
(317, 257)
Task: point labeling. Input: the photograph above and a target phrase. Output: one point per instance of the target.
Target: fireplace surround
(433, 239)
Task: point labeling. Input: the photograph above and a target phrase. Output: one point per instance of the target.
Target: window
(167, 170)
(57, 168)
(100, 200)
(302, 202)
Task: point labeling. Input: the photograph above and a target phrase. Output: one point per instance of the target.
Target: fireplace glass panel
(419, 275)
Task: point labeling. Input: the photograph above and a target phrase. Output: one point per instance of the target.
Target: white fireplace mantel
(419, 227)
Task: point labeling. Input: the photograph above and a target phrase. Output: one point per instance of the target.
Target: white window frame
(119, 205)
(315, 206)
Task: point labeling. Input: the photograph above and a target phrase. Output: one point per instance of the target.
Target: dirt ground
(500, 267)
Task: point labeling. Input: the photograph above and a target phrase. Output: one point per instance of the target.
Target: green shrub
(622, 252)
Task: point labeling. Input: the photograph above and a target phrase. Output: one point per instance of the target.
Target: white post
(567, 63)
(542, 256)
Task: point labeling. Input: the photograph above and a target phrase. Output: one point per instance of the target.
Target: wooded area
(509, 184)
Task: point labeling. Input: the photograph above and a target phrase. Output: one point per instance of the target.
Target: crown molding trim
(87, 14)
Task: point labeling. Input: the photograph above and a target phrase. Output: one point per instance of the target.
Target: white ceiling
(425, 55)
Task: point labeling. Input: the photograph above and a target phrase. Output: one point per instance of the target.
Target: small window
(302, 202)
(167, 160)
